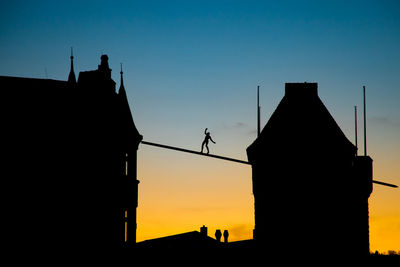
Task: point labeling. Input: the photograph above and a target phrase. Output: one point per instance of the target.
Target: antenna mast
(365, 125)
(355, 128)
(258, 111)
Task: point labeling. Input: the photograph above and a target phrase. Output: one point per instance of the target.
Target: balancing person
(205, 142)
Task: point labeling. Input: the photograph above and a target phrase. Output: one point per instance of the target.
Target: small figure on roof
(205, 142)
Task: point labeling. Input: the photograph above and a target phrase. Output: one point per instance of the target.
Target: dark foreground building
(69, 161)
(310, 188)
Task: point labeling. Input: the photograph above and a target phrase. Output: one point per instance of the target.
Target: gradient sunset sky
(191, 65)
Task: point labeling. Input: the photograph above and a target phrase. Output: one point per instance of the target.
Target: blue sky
(185, 53)
(189, 65)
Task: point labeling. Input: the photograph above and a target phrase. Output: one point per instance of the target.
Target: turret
(299, 163)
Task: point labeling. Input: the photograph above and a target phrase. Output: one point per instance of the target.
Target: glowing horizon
(224, 208)
(191, 65)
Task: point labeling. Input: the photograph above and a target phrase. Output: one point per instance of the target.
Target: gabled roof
(301, 122)
(186, 240)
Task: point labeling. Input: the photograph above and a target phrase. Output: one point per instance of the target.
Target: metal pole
(258, 111)
(385, 184)
(365, 125)
(355, 127)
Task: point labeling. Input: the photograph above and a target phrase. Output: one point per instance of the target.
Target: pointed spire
(71, 76)
(121, 87)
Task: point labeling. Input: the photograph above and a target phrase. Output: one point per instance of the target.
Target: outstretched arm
(205, 131)
(212, 140)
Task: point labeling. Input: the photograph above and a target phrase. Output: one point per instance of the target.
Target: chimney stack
(301, 90)
(203, 231)
(218, 235)
(226, 235)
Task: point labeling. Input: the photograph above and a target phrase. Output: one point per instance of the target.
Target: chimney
(226, 235)
(103, 67)
(218, 235)
(203, 231)
(301, 90)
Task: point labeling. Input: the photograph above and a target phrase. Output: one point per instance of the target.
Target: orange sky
(384, 210)
(189, 65)
(180, 192)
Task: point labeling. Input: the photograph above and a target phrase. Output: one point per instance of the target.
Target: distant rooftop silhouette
(194, 240)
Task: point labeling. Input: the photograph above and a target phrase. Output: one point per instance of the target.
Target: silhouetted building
(310, 189)
(185, 241)
(196, 241)
(199, 247)
(70, 160)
